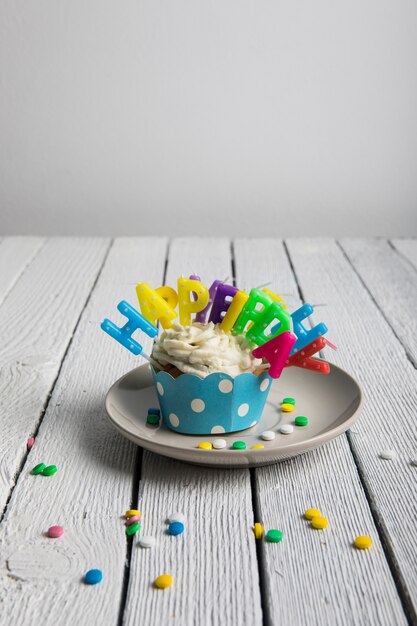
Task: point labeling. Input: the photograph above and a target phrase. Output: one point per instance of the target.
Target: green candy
(288, 401)
(38, 469)
(132, 529)
(152, 419)
(239, 445)
(50, 470)
(274, 536)
(301, 420)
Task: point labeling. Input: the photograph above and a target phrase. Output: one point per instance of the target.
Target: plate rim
(258, 456)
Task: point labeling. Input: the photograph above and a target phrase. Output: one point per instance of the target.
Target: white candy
(176, 517)
(388, 455)
(268, 435)
(147, 542)
(286, 429)
(218, 444)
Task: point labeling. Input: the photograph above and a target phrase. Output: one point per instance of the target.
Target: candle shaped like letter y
(186, 304)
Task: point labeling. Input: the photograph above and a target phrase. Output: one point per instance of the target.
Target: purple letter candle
(202, 315)
(221, 304)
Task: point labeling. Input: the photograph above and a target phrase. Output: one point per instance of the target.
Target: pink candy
(55, 531)
(132, 520)
(30, 442)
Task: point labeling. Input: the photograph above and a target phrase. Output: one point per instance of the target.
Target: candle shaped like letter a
(186, 305)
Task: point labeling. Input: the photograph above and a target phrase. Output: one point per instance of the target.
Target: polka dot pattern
(198, 405)
(243, 409)
(160, 388)
(225, 386)
(216, 430)
(174, 420)
(264, 384)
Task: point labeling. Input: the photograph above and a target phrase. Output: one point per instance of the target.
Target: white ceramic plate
(332, 404)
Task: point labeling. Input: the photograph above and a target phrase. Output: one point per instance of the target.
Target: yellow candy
(310, 513)
(234, 311)
(163, 581)
(205, 445)
(132, 512)
(363, 542)
(287, 408)
(187, 287)
(319, 522)
(258, 446)
(259, 530)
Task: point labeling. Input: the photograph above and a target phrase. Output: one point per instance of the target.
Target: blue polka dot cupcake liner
(213, 405)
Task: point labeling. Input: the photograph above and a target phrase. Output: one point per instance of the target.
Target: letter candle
(234, 311)
(276, 351)
(222, 301)
(154, 306)
(251, 312)
(201, 316)
(187, 306)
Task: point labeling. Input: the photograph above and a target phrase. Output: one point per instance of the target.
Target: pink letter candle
(276, 352)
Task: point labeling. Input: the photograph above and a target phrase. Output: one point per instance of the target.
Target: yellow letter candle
(186, 305)
(234, 311)
(275, 297)
(154, 306)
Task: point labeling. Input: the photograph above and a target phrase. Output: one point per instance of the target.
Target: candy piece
(93, 576)
(274, 535)
(257, 332)
(239, 445)
(132, 520)
(152, 419)
(154, 306)
(319, 522)
(388, 455)
(124, 334)
(362, 542)
(133, 529)
(175, 528)
(258, 446)
(286, 429)
(310, 513)
(176, 517)
(38, 469)
(276, 351)
(258, 530)
(234, 311)
(303, 359)
(30, 442)
(164, 581)
(50, 470)
(301, 420)
(154, 411)
(132, 512)
(305, 336)
(55, 531)
(268, 435)
(205, 445)
(219, 444)
(222, 302)
(147, 542)
(186, 305)
(288, 401)
(287, 407)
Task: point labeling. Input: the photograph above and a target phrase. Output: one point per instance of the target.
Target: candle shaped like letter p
(186, 305)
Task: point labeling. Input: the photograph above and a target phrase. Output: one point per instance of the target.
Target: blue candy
(175, 528)
(153, 411)
(93, 576)
(124, 334)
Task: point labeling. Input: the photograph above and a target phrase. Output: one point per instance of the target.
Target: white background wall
(229, 117)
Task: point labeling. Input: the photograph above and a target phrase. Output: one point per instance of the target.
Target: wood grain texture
(214, 563)
(36, 324)
(369, 349)
(16, 253)
(93, 487)
(315, 577)
(392, 282)
(408, 248)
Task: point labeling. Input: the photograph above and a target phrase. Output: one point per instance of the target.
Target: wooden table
(56, 366)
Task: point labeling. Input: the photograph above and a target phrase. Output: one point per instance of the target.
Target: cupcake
(208, 381)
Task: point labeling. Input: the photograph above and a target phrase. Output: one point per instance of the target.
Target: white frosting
(202, 349)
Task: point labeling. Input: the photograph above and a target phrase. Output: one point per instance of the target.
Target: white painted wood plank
(315, 577)
(214, 563)
(36, 324)
(392, 282)
(408, 248)
(93, 487)
(16, 253)
(369, 349)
